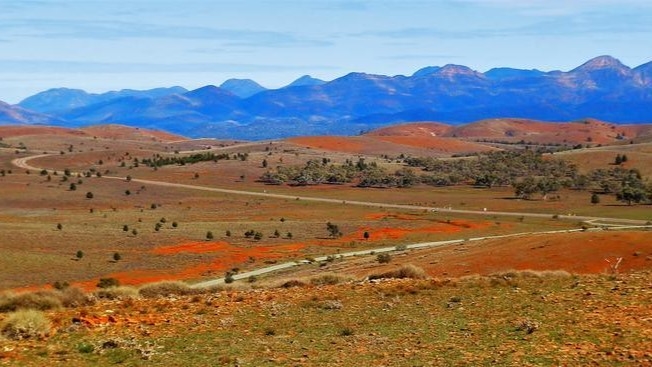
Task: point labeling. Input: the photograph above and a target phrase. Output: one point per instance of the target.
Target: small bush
(117, 293)
(401, 247)
(42, 300)
(25, 324)
(167, 288)
(347, 331)
(108, 282)
(293, 283)
(384, 258)
(329, 279)
(74, 297)
(405, 271)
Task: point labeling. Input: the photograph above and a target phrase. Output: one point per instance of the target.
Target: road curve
(24, 163)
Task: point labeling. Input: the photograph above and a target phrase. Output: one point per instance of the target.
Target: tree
(333, 230)
(59, 226)
(277, 234)
(264, 164)
(134, 232)
(595, 199)
(175, 224)
(209, 235)
(89, 195)
(79, 254)
(228, 233)
(73, 186)
(618, 160)
(366, 235)
(116, 257)
(258, 236)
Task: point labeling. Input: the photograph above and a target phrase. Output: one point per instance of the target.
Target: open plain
(552, 279)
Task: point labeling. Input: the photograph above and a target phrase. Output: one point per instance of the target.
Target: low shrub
(330, 279)
(166, 288)
(42, 300)
(405, 271)
(108, 282)
(293, 283)
(25, 324)
(75, 297)
(124, 292)
(384, 258)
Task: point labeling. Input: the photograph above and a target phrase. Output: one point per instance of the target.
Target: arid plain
(78, 206)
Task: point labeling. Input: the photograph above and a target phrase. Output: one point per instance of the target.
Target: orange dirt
(574, 252)
(444, 145)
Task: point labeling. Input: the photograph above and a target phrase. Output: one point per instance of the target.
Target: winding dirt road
(598, 221)
(24, 164)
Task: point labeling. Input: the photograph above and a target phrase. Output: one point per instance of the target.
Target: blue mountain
(602, 88)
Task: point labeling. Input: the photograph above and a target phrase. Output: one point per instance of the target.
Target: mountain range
(601, 88)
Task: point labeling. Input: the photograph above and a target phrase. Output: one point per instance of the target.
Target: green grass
(402, 323)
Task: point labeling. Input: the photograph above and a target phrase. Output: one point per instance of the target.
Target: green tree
(333, 230)
(79, 254)
(209, 235)
(89, 195)
(595, 199)
(116, 257)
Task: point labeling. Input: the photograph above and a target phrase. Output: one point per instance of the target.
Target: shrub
(108, 282)
(117, 293)
(329, 279)
(166, 288)
(293, 283)
(25, 324)
(384, 258)
(405, 271)
(74, 297)
(42, 300)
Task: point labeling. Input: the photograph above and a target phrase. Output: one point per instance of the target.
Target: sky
(100, 45)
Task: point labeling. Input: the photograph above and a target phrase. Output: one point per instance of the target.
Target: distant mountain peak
(601, 62)
(305, 81)
(452, 70)
(428, 70)
(243, 88)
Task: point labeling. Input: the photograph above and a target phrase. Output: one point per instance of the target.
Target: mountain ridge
(602, 88)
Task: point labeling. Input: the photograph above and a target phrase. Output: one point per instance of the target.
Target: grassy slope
(511, 319)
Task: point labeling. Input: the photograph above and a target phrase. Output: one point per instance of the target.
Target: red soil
(332, 143)
(413, 129)
(444, 145)
(574, 252)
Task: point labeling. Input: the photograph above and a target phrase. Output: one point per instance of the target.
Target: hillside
(510, 130)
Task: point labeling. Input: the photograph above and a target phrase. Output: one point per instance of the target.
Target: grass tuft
(406, 271)
(123, 292)
(41, 300)
(25, 324)
(165, 289)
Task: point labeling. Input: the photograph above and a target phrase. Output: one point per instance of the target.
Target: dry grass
(408, 271)
(25, 324)
(41, 300)
(165, 289)
(120, 292)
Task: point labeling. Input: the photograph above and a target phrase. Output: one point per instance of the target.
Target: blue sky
(100, 45)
